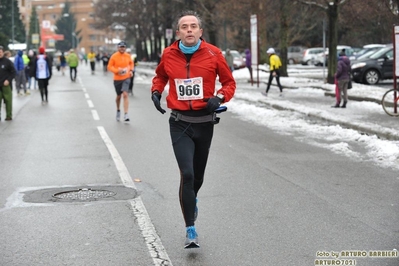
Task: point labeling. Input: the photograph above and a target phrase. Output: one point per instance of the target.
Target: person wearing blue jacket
(20, 79)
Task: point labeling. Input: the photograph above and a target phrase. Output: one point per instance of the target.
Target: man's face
(1, 53)
(121, 49)
(189, 30)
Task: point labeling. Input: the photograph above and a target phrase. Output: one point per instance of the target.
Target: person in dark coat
(31, 73)
(7, 74)
(342, 77)
(248, 62)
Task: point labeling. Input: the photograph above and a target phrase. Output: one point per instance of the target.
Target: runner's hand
(212, 104)
(156, 98)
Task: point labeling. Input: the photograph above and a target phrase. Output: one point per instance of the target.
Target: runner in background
(121, 65)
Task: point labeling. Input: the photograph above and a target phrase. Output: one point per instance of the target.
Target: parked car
(310, 56)
(295, 54)
(374, 68)
(238, 60)
(366, 49)
(349, 51)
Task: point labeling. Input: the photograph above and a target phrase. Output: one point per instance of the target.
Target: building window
(93, 37)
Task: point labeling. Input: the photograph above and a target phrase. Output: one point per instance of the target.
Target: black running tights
(191, 143)
(277, 79)
(43, 84)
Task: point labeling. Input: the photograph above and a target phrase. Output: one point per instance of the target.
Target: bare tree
(331, 8)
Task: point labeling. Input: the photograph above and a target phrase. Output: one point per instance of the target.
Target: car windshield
(367, 54)
(380, 52)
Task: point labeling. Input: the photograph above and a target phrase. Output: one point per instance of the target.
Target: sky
(250, 105)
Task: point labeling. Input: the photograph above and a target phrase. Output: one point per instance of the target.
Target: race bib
(189, 89)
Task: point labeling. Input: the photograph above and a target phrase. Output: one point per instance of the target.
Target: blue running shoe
(196, 210)
(191, 238)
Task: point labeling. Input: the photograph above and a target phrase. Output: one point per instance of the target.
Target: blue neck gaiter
(189, 49)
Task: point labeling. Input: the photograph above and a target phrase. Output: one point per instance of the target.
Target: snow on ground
(248, 105)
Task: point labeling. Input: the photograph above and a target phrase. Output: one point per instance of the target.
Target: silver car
(311, 56)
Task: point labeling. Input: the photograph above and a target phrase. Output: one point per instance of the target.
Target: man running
(121, 65)
(191, 67)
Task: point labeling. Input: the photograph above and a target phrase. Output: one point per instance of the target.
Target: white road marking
(95, 115)
(153, 241)
(90, 103)
(87, 96)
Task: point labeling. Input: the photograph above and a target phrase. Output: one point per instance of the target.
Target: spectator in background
(230, 60)
(248, 62)
(342, 77)
(7, 73)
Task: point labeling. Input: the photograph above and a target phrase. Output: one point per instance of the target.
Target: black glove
(213, 104)
(156, 98)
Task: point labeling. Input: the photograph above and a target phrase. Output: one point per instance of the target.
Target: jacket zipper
(188, 76)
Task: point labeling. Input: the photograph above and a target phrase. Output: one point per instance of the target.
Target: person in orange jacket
(121, 65)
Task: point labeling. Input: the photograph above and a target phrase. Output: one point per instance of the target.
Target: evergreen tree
(66, 25)
(10, 15)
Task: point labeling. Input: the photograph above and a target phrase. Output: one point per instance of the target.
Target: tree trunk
(284, 13)
(332, 13)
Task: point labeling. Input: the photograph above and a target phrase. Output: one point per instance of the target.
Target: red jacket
(207, 62)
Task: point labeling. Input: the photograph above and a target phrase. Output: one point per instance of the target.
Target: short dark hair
(1, 48)
(188, 13)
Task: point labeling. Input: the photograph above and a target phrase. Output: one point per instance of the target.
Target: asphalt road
(267, 199)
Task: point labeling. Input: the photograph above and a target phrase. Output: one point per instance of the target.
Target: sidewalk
(314, 98)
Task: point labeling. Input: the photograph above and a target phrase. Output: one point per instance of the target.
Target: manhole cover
(80, 194)
(84, 194)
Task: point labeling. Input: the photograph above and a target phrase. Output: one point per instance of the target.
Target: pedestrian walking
(275, 64)
(7, 74)
(134, 59)
(135, 63)
(73, 62)
(229, 59)
(248, 62)
(190, 66)
(42, 69)
(105, 60)
(26, 60)
(342, 77)
(20, 80)
(63, 63)
(121, 65)
(92, 59)
(32, 77)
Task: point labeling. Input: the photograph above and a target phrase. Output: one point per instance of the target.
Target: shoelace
(191, 233)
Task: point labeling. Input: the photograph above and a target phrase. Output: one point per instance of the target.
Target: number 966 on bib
(189, 89)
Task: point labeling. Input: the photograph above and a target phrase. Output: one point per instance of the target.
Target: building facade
(83, 11)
